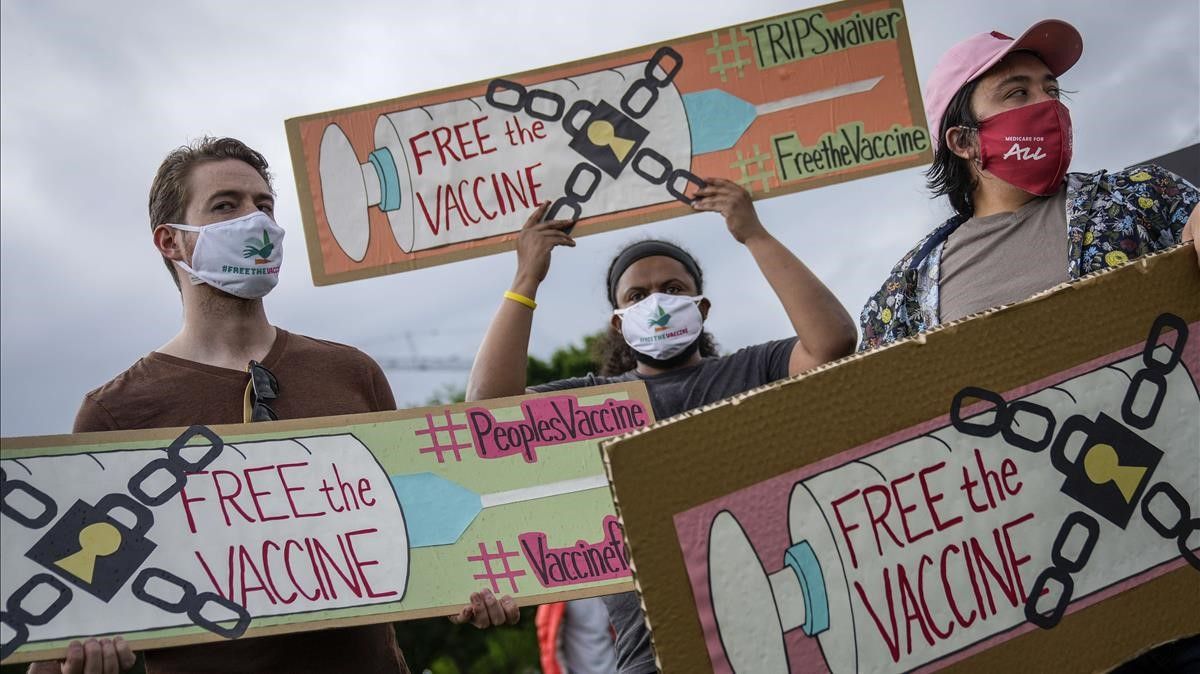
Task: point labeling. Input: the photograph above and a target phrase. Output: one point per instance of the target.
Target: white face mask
(240, 256)
(661, 325)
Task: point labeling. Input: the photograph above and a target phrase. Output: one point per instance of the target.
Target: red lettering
(287, 490)
(965, 622)
(287, 565)
(926, 559)
(267, 568)
(479, 200)
(464, 143)
(532, 185)
(842, 525)
(187, 510)
(893, 643)
(435, 222)
(364, 486)
(246, 561)
(441, 139)
(224, 498)
(327, 561)
(1008, 469)
(1015, 561)
(930, 499)
(463, 201)
(908, 535)
(480, 137)
(358, 565)
(255, 494)
(911, 608)
(877, 521)
(213, 579)
(417, 153)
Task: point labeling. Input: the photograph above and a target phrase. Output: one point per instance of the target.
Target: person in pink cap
(1022, 224)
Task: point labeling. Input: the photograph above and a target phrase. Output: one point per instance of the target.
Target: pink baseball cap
(1056, 42)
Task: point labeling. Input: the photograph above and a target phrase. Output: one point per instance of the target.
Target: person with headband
(1002, 146)
(657, 336)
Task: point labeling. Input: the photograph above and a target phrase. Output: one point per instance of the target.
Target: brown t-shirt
(1004, 258)
(316, 378)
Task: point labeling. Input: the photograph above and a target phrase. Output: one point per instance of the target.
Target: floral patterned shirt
(1111, 219)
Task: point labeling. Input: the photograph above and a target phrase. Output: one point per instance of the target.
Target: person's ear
(615, 322)
(705, 305)
(960, 142)
(169, 242)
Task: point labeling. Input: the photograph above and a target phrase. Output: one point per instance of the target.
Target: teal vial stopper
(389, 178)
(803, 562)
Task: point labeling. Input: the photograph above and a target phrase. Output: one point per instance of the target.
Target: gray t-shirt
(1004, 258)
(670, 394)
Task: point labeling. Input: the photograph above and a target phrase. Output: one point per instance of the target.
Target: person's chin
(668, 363)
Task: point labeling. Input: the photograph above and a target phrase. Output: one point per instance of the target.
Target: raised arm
(825, 331)
(499, 368)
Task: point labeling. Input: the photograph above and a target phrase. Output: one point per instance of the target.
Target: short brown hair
(169, 194)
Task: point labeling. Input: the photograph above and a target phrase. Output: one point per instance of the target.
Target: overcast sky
(95, 93)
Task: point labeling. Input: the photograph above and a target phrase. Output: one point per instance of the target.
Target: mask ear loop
(975, 159)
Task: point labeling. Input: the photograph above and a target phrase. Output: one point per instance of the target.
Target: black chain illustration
(1063, 568)
(190, 603)
(635, 104)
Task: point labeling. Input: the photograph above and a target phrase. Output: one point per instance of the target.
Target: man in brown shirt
(211, 216)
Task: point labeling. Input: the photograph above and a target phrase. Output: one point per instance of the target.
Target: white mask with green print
(661, 325)
(240, 256)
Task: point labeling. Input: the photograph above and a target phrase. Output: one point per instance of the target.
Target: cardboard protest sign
(216, 533)
(782, 104)
(1018, 489)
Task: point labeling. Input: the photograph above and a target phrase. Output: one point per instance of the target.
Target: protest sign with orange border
(778, 105)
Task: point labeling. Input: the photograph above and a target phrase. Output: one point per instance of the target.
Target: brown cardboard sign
(786, 103)
(1019, 487)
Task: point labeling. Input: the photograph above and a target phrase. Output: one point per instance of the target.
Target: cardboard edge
(308, 216)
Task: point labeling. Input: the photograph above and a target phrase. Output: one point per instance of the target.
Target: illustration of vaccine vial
(911, 554)
(467, 170)
(278, 527)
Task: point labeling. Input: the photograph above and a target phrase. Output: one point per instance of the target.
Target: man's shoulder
(313, 347)
(143, 374)
(138, 387)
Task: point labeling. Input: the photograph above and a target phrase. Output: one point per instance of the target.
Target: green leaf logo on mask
(659, 322)
(261, 249)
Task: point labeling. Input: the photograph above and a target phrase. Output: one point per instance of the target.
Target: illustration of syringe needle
(437, 511)
(718, 118)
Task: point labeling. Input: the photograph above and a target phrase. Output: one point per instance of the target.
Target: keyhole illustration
(96, 540)
(602, 134)
(1103, 465)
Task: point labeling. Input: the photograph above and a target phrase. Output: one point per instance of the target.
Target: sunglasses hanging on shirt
(262, 389)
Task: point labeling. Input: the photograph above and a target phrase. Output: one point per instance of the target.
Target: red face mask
(1029, 147)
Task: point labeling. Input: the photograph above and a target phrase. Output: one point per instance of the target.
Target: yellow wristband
(520, 299)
